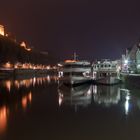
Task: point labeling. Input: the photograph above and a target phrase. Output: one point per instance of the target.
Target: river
(39, 109)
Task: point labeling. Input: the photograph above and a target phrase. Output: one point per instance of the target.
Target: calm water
(39, 109)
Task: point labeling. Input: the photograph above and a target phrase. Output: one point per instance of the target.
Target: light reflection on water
(26, 82)
(20, 96)
(3, 118)
(75, 96)
(5, 110)
(103, 96)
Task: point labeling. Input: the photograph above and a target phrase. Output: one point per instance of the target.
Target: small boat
(74, 72)
(106, 72)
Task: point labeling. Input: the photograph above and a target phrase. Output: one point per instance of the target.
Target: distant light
(2, 30)
(60, 65)
(60, 99)
(70, 61)
(126, 61)
(23, 44)
(28, 49)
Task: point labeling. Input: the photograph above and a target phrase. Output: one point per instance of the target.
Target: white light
(60, 65)
(126, 61)
(127, 104)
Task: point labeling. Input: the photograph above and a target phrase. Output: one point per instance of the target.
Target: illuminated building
(2, 30)
(23, 44)
(131, 59)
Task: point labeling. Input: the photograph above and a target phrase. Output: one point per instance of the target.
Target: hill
(11, 51)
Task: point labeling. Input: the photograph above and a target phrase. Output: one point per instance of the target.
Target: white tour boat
(73, 72)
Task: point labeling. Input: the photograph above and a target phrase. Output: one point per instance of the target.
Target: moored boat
(74, 72)
(106, 72)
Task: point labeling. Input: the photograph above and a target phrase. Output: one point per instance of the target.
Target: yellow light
(2, 30)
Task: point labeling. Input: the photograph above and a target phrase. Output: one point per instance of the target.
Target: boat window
(73, 74)
(77, 66)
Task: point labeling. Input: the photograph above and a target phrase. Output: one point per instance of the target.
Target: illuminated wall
(1, 30)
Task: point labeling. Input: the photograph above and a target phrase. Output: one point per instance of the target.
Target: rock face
(11, 51)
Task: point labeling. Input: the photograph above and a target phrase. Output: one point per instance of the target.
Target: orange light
(30, 97)
(3, 119)
(24, 102)
(70, 61)
(7, 65)
(8, 85)
(23, 44)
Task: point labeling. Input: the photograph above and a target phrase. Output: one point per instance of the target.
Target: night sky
(93, 29)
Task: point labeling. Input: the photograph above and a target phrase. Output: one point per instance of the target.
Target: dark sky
(94, 28)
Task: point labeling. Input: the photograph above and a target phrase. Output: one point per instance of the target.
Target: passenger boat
(74, 72)
(106, 72)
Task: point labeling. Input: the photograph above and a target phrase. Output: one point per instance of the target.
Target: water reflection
(127, 97)
(18, 95)
(75, 96)
(27, 99)
(106, 95)
(8, 84)
(37, 100)
(3, 118)
(101, 95)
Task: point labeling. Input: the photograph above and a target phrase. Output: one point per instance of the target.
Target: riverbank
(17, 73)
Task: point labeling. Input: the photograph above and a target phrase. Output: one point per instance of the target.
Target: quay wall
(131, 80)
(16, 73)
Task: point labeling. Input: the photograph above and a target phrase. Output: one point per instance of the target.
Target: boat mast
(75, 56)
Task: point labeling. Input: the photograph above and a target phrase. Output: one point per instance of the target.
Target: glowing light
(126, 61)
(28, 49)
(48, 67)
(3, 119)
(95, 89)
(60, 99)
(48, 79)
(16, 83)
(2, 30)
(30, 97)
(34, 81)
(127, 104)
(7, 65)
(60, 65)
(8, 85)
(23, 44)
(24, 102)
(89, 91)
(70, 61)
